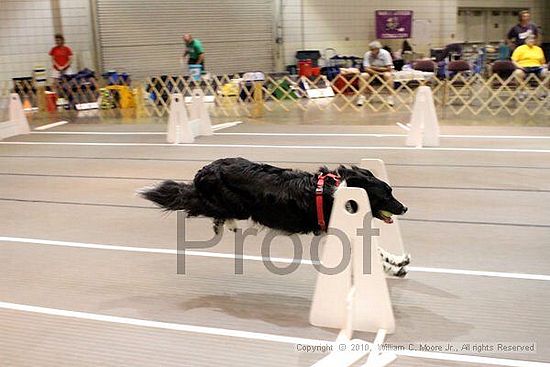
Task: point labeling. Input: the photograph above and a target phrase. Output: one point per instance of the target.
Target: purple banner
(393, 24)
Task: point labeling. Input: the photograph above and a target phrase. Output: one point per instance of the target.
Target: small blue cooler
(195, 71)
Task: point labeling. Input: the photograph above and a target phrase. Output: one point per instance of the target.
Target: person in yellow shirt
(529, 59)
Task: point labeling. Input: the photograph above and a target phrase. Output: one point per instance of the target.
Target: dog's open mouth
(385, 216)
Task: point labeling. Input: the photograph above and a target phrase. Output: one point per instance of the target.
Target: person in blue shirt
(519, 33)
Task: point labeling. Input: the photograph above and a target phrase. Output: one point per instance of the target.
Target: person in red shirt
(61, 57)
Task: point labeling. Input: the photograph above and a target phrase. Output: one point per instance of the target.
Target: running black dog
(283, 199)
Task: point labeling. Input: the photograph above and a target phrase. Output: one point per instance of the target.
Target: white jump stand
(390, 234)
(351, 300)
(184, 127)
(179, 129)
(17, 123)
(424, 125)
(199, 111)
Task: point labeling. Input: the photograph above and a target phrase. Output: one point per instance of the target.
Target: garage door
(143, 37)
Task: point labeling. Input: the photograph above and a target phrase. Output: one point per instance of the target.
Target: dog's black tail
(172, 195)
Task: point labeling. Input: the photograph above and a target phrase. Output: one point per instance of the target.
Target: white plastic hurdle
(199, 111)
(350, 299)
(424, 125)
(17, 123)
(179, 129)
(184, 127)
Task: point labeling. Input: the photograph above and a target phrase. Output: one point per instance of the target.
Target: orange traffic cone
(27, 106)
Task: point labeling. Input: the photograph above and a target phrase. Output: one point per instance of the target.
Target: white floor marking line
(98, 133)
(320, 147)
(34, 241)
(95, 246)
(252, 335)
(225, 125)
(403, 126)
(231, 124)
(217, 127)
(45, 127)
(373, 135)
(495, 274)
(159, 324)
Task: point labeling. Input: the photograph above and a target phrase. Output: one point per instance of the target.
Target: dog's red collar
(319, 197)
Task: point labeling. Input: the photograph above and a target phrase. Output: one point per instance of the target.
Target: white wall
(539, 8)
(27, 29)
(27, 26)
(77, 28)
(348, 26)
(26, 35)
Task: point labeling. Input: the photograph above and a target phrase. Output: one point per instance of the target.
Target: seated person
(529, 59)
(399, 55)
(377, 61)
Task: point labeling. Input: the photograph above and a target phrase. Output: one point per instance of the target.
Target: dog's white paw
(396, 271)
(232, 225)
(217, 226)
(395, 260)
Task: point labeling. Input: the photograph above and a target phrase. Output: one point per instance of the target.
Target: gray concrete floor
(471, 209)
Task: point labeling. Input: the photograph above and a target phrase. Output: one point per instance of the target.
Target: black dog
(282, 199)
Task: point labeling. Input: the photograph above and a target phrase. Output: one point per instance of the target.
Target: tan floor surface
(470, 209)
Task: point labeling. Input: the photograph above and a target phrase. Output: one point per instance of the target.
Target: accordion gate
(231, 96)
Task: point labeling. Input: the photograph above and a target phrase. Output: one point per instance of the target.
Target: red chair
(503, 68)
(425, 65)
(458, 66)
(506, 86)
(456, 84)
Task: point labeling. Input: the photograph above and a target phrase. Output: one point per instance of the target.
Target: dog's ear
(358, 179)
(342, 170)
(362, 171)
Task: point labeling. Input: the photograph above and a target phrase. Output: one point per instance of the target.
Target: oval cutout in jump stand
(17, 123)
(424, 125)
(179, 130)
(390, 237)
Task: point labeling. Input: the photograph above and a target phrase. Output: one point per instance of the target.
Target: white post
(424, 123)
(371, 305)
(390, 234)
(179, 130)
(199, 110)
(17, 115)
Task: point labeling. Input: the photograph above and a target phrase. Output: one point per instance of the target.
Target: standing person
(377, 61)
(61, 57)
(194, 50)
(519, 33)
